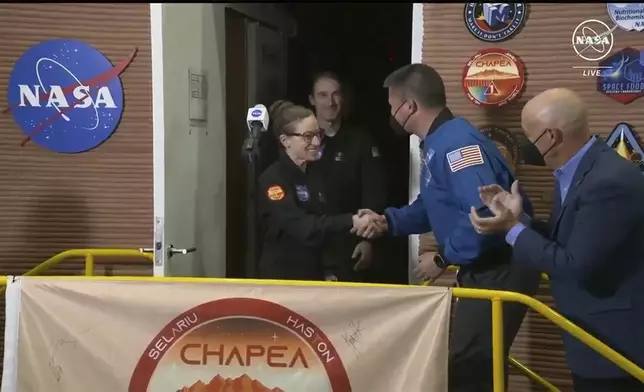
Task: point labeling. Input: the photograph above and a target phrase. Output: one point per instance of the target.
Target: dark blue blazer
(592, 248)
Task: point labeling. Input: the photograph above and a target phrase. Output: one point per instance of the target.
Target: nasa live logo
(592, 41)
(66, 96)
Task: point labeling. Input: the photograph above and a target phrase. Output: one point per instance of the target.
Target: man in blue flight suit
(457, 159)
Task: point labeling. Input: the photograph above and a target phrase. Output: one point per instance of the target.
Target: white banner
(78, 335)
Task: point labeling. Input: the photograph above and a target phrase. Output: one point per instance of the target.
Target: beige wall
(102, 198)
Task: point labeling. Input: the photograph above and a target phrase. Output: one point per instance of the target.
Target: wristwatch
(440, 261)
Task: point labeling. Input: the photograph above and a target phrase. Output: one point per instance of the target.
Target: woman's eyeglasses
(308, 136)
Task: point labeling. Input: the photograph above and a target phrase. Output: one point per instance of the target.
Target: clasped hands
(368, 224)
(506, 207)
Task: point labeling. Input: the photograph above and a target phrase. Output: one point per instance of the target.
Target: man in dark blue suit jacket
(592, 247)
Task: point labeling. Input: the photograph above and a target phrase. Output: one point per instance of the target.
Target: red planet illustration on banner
(240, 345)
(493, 77)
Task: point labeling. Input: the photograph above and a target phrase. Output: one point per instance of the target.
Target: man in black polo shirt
(354, 171)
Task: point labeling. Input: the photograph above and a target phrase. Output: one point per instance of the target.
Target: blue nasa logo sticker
(66, 96)
(622, 75)
(494, 22)
(628, 16)
(256, 113)
(302, 192)
(623, 140)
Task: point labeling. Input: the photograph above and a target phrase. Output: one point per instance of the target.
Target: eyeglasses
(308, 136)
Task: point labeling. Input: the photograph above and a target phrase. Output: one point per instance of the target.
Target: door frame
(158, 135)
(158, 120)
(267, 14)
(414, 142)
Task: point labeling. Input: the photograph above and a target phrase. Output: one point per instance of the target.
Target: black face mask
(530, 155)
(399, 129)
(537, 140)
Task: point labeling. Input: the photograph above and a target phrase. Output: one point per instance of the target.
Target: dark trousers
(470, 356)
(625, 384)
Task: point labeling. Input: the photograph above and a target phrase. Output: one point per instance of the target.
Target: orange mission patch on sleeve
(275, 193)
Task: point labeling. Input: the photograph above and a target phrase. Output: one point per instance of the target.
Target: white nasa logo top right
(592, 40)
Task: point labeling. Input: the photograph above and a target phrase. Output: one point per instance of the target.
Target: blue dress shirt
(564, 177)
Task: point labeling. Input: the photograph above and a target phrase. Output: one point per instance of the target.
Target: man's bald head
(557, 108)
(556, 121)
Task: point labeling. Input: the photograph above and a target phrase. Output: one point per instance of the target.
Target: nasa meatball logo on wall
(240, 344)
(66, 96)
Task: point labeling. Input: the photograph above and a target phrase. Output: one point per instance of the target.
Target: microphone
(257, 117)
(257, 121)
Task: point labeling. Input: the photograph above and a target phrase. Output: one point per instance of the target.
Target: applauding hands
(507, 208)
(368, 224)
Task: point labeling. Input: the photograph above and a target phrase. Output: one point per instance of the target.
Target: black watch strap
(439, 259)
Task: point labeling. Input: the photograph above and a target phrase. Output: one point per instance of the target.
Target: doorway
(362, 43)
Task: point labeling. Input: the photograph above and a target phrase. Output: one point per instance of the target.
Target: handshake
(368, 224)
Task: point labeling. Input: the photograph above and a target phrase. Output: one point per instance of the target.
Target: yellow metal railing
(531, 374)
(496, 297)
(88, 254)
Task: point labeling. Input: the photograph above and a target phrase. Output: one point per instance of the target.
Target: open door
(175, 156)
(198, 180)
(256, 53)
(266, 71)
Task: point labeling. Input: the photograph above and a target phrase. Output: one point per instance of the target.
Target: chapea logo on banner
(78, 335)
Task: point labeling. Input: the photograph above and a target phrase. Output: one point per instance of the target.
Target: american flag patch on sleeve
(464, 157)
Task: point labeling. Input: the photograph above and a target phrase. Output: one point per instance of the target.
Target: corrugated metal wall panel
(544, 46)
(103, 198)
